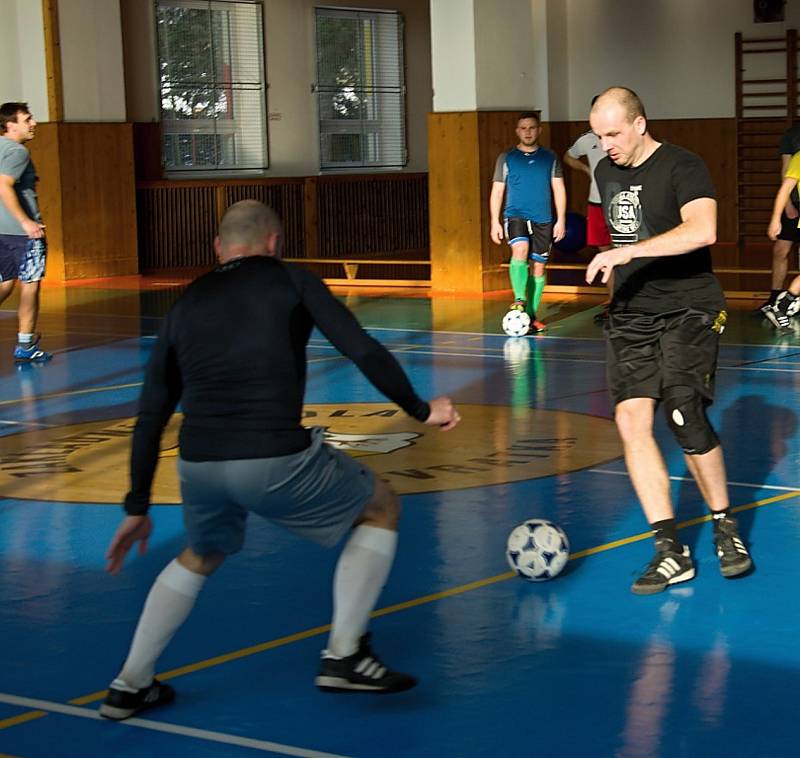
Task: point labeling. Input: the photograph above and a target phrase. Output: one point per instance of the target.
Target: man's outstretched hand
(443, 413)
(133, 529)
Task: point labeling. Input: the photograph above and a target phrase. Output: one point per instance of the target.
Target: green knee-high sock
(538, 288)
(518, 274)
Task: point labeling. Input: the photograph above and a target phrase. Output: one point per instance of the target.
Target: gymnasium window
(212, 85)
(360, 89)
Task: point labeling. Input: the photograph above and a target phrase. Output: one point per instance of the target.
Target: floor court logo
(88, 463)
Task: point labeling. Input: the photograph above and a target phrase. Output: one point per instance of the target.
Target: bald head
(624, 98)
(618, 119)
(248, 228)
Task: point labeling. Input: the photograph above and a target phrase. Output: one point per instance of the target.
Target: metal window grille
(360, 89)
(212, 85)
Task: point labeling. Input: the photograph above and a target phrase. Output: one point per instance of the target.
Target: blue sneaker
(31, 353)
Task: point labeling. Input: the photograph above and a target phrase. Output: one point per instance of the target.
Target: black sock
(773, 296)
(666, 528)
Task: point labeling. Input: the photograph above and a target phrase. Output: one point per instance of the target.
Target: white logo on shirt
(625, 211)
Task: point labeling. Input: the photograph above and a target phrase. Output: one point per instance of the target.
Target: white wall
(91, 60)
(677, 54)
(23, 74)
(509, 46)
(557, 65)
(489, 55)
(453, 60)
(291, 70)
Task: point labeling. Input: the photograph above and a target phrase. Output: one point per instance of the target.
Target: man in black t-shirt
(665, 320)
(232, 351)
(789, 233)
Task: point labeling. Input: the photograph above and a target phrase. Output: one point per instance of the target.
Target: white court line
(441, 331)
(29, 423)
(417, 349)
(690, 479)
(555, 337)
(160, 726)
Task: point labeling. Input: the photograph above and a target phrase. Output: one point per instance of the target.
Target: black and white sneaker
(122, 701)
(780, 312)
(764, 308)
(734, 557)
(669, 566)
(360, 672)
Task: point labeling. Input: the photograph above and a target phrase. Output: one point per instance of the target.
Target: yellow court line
(425, 599)
(70, 393)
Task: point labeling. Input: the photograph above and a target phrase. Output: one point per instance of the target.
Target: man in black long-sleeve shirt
(232, 352)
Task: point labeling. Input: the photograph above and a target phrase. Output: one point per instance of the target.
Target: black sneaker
(669, 566)
(763, 309)
(123, 703)
(360, 672)
(780, 312)
(734, 558)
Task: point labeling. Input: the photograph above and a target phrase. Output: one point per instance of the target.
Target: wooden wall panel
(86, 193)
(366, 217)
(496, 134)
(454, 201)
(177, 224)
(374, 215)
(98, 200)
(462, 151)
(46, 156)
(147, 151)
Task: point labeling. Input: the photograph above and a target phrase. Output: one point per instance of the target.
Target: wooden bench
(350, 268)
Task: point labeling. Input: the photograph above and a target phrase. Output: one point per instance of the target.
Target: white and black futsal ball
(537, 550)
(516, 323)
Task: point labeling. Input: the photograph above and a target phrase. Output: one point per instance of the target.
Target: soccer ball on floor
(537, 550)
(516, 323)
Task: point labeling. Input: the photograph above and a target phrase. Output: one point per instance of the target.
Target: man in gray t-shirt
(23, 249)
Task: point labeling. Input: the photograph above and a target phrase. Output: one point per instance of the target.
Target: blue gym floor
(577, 666)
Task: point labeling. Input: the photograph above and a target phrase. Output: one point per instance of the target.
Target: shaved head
(619, 121)
(248, 228)
(625, 98)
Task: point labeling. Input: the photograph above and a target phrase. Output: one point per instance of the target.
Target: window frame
(229, 128)
(364, 133)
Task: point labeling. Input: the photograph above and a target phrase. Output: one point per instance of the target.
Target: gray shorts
(317, 493)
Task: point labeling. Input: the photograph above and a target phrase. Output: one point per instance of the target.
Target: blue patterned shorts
(22, 258)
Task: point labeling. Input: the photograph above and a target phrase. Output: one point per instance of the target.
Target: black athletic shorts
(649, 352)
(538, 236)
(789, 231)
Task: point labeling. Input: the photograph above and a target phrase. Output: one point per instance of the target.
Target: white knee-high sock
(170, 601)
(360, 575)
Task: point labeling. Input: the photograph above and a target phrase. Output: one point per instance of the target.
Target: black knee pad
(685, 409)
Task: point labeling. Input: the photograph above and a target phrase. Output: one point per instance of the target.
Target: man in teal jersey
(532, 180)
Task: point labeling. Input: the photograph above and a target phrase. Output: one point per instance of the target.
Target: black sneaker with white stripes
(360, 672)
(734, 558)
(780, 314)
(122, 702)
(670, 565)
